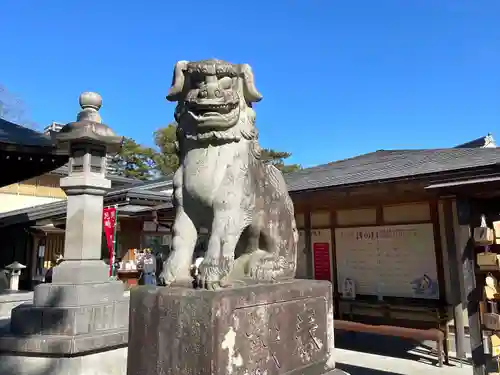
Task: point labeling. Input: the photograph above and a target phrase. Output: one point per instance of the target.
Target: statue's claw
(210, 282)
(211, 275)
(212, 285)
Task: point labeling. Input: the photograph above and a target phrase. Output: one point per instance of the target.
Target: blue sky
(339, 78)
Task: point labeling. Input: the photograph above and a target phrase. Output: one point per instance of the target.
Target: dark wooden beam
(335, 279)
(439, 250)
(455, 263)
(307, 231)
(366, 196)
(468, 215)
(23, 166)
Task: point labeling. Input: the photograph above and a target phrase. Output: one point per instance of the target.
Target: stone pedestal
(283, 328)
(9, 300)
(72, 327)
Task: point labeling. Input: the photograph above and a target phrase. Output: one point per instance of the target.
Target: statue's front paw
(212, 285)
(165, 279)
(210, 281)
(211, 274)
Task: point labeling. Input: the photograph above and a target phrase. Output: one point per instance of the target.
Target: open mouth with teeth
(214, 115)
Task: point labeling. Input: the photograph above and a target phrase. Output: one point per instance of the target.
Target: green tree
(134, 161)
(277, 158)
(168, 161)
(165, 139)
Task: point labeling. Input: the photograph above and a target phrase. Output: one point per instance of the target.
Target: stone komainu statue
(223, 185)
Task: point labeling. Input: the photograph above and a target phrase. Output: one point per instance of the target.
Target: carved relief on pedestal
(262, 341)
(279, 337)
(305, 334)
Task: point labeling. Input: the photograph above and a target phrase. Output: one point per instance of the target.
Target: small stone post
(15, 271)
(82, 313)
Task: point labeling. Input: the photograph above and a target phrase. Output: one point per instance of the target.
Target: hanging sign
(109, 225)
(322, 269)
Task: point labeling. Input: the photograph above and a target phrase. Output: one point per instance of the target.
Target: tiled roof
(13, 134)
(376, 166)
(391, 164)
(486, 141)
(58, 208)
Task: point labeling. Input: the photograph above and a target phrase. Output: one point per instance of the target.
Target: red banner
(109, 223)
(322, 267)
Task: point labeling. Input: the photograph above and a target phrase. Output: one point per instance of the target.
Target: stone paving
(359, 363)
(362, 354)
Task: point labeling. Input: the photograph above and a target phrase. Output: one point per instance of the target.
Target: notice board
(395, 260)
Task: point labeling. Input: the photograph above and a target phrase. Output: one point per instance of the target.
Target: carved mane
(247, 92)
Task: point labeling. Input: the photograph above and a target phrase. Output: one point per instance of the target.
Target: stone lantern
(15, 271)
(87, 141)
(82, 311)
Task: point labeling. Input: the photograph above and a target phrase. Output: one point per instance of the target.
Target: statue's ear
(178, 81)
(249, 89)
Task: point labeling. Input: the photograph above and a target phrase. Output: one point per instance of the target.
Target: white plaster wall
(11, 202)
(300, 221)
(320, 219)
(407, 213)
(362, 216)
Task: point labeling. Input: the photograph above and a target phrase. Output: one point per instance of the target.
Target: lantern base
(70, 318)
(110, 362)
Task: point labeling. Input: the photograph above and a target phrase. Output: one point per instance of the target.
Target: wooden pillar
(380, 215)
(454, 265)
(307, 231)
(335, 279)
(439, 251)
(34, 257)
(473, 290)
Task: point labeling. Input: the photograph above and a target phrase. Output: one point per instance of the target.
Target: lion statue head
(214, 100)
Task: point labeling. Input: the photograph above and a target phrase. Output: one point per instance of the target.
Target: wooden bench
(432, 334)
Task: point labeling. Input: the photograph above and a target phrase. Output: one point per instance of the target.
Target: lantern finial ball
(90, 100)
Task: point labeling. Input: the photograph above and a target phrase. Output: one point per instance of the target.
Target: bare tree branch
(13, 109)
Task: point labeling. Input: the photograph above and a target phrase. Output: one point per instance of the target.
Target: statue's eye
(225, 83)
